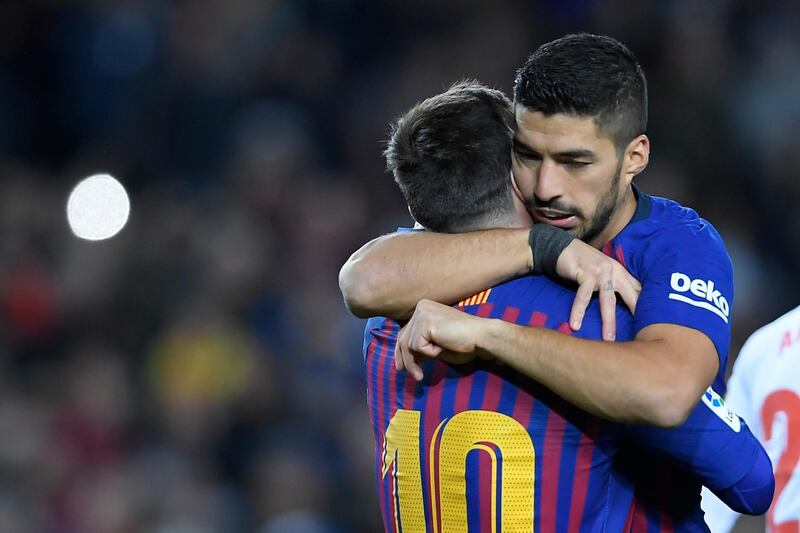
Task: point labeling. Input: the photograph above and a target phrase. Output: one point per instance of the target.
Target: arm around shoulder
(390, 274)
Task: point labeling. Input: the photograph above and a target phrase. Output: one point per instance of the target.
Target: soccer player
(581, 114)
(765, 388)
(482, 429)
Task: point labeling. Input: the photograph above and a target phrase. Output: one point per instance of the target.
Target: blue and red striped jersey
(478, 446)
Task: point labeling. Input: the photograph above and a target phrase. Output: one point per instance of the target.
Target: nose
(548, 182)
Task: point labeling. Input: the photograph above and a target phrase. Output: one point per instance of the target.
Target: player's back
(478, 446)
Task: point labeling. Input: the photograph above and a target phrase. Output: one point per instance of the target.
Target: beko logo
(707, 296)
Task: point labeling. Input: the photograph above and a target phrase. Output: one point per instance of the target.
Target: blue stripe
(473, 491)
(499, 515)
(536, 428)
(478, 390)
(597, 484)
(508, 393)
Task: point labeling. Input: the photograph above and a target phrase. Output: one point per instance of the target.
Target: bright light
(98, 208)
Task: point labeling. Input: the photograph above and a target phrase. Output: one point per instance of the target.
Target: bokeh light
(98, 208)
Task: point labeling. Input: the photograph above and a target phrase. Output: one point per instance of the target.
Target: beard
(606, 208)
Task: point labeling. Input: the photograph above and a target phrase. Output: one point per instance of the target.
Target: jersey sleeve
(714, 443)
(687, 280)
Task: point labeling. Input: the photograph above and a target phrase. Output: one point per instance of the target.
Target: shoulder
(676, 238)
(674, 223)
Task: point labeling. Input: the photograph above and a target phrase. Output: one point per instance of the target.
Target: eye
(577, 164)
(526, 156)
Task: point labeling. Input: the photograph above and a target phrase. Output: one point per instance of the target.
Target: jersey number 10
(504, 441)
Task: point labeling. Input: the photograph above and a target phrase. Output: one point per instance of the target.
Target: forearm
(631, 382)
(389, 275)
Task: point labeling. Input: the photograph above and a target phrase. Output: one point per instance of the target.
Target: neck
(619, 219)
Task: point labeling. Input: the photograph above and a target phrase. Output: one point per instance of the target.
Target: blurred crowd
(198, 372)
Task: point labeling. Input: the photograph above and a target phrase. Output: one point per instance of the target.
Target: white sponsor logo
(709, 297)
(715, 402)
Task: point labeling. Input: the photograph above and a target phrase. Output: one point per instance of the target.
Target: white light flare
(98, 208)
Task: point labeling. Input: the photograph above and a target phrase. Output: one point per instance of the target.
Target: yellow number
(485, 431)
(401, 456)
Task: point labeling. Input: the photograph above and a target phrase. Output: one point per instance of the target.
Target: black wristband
(547, 243)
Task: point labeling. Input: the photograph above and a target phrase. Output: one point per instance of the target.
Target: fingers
(608, 310)
(582, 299)
(628, 288)
(403, 356)
(412, 344)
(410, 364)
(398, 350)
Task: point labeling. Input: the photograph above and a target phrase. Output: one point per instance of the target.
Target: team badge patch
(716, 403)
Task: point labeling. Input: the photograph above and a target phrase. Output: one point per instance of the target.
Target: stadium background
(198, 373)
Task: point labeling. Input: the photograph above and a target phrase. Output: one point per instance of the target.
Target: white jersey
(764, 389)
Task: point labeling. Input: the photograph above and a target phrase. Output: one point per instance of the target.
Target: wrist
(522, 244)
(567, 263)
(547, 244)
(489, 335)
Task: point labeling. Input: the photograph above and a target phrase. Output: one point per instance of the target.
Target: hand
(594, 271)
(436, 330)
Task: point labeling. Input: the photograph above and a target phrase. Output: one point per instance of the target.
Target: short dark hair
(451, 156)
(587, 75)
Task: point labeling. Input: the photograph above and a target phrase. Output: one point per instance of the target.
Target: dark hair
(589, 76)
(451, 157)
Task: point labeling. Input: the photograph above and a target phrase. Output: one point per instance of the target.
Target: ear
(523, 217)
(636, 157)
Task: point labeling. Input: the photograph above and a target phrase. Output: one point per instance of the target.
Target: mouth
(555, 218)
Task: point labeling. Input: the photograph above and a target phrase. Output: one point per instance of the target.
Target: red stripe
(666, 523)
(639, 519)
(620, 255)
(608, 249)
(538, 319)
(523, 407)
(433, 405)
(524, 400)
(485, 490)
(463, 389)
(394, 399)
(580, 482)
(564, 328)
(551, 464)
(510, 314)
(393, 389)
(491, 394)
(435, 473)
(484, 310)
(432, 416)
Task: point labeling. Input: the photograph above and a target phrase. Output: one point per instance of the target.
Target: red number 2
(787, 402)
